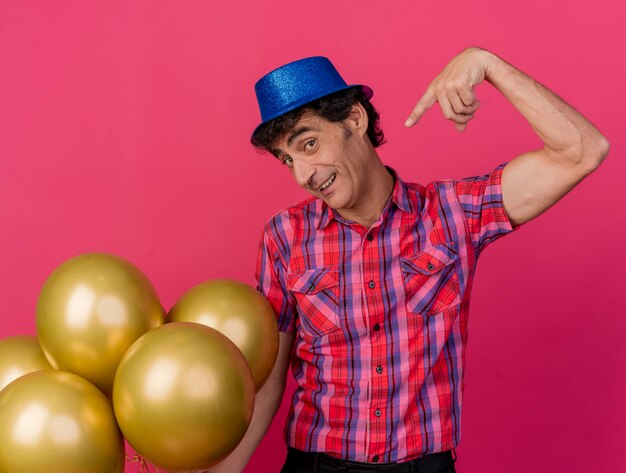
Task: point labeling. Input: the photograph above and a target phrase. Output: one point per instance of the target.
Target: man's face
(328, 159)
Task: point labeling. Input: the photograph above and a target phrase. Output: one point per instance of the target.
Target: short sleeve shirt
(380, 315)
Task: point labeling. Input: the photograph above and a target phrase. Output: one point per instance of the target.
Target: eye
(309, 144)
(287, 161)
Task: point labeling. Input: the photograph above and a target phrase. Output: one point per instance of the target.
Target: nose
(303, 172)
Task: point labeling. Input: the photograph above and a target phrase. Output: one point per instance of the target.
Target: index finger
(427, 101)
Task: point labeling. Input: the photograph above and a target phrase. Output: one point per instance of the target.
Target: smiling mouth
(330, 180)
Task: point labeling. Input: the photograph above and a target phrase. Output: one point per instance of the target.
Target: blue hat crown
(298, 83)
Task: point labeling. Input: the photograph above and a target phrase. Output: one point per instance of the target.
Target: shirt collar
(400, 197)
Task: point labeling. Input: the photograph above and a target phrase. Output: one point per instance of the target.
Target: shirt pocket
(431, 283)
(317, 295)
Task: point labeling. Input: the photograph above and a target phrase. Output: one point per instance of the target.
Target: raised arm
(536, 180)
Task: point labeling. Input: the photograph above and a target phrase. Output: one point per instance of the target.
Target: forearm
(567, 136)
(267, 402)
(266, 405)
(537, 179)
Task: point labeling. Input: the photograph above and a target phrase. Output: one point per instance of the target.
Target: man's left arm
(536, 180)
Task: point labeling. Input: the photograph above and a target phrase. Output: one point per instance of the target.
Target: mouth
(327, 183)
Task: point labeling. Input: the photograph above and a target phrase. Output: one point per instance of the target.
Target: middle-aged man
(370, 278)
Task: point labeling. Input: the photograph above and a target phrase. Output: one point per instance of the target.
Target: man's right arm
(267, 402)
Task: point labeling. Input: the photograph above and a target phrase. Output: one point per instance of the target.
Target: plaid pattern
(380, 316)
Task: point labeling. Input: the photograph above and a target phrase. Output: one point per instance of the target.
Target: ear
(358, 120)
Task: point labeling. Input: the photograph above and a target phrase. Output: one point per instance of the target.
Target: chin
(335, 203)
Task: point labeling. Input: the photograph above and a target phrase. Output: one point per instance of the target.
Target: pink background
(124, 128)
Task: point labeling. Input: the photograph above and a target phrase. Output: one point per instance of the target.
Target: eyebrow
(294, 134)
(297, 132)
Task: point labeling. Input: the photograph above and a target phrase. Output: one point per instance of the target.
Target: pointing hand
(454, 88)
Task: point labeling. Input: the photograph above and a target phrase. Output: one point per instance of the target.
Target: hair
(334, 108)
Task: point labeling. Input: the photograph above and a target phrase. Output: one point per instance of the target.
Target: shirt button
(311, 286)
(372, 284)
(370, 237)
(430, 266)
(377, 327)
(375, 458)
(379, 369)
(378, 413)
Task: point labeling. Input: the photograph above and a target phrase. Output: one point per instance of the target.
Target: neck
(376, 193)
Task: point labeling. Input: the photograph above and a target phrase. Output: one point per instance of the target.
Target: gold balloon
(90, 311)
(183, 396)
(239, 312)
(57, 422)
(20, 355)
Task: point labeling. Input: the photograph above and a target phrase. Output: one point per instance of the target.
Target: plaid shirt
(380, 316)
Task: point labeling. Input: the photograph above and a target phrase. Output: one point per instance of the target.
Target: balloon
(20, 355)
(239, 312)
(57, 422)
(183, 396)
(90, 311)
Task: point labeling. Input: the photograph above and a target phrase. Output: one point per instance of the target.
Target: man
(371, 277)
